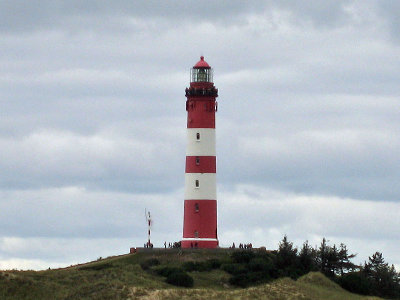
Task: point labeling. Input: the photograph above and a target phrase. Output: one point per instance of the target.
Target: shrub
(189, 266)
(204, 266)
(228, 268)
(207, 265)
(355, 282)
(166, 271)
(96, 267)
(257, 277)
(242, 256)
(234, 268)
(180, 279)
(241, 280)
(260, 264)
(249, 278)
(214, 263)
(149, 263)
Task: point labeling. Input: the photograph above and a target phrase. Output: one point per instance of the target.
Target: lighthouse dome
(201, 64)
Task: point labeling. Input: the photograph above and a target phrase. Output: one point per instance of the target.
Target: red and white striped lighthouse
(200, 212)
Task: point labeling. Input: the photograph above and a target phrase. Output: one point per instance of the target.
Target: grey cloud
(110, 223)
(21, 16)
(307, 214)
(269, 215)
(92, 96)
(334, 165)
(389, 11)
(73, 212)
(59, 158)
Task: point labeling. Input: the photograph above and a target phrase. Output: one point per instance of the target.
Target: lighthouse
(200, 204)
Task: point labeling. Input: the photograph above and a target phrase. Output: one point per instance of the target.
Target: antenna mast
(149, 223)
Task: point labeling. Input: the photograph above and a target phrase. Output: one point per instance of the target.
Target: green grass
(307, 287)
(123, 278)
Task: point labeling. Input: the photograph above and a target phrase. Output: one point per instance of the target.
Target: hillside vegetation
(144, 275)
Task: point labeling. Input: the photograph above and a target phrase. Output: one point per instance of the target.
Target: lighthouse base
(199, 243)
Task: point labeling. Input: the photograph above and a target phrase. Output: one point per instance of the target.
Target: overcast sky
(93, 120)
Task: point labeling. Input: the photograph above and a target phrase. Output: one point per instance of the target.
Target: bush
(228, 268)
(149, 263)
(96, 267)
(166, 271)
(205, 266)
(291, 271)
(214, 263)
(241, 280)
(234, 268)
(189, 266)
(260, 264)
(355, 282)
(180, 279)
(242, 256)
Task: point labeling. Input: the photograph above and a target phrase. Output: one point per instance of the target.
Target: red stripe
(201, 218)
(201, 164)
(201, 113)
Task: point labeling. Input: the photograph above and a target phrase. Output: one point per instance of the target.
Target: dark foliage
(383, 279)
(149, 263)
(242, 256)
(249, 267)
(376, 278)
(190, 266)
(180, 279)
(334, 261)
(287, 254)
(256, 271)
(234, 268)
(202, 266)
(258, 264)
(242, 280)
(96, 267)
(166, 271)
(307, 258)
(214, 263)
(355, 282)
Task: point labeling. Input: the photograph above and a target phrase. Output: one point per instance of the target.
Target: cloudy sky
(92, 124)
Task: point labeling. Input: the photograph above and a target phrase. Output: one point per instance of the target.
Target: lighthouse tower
(200, 212)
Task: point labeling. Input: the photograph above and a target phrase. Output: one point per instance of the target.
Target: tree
(307, 258)
(323, 258)
(385, 280)
(287, 254)
(334, 261)
(287, 261)
(344, 263)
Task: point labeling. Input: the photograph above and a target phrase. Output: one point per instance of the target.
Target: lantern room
(201, 72)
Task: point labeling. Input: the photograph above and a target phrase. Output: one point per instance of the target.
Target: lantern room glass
(201, 75)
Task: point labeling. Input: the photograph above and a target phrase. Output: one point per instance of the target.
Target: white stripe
(203, 147)
(199, 239)
(207, 189)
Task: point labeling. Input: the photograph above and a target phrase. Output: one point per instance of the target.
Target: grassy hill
(123, 278)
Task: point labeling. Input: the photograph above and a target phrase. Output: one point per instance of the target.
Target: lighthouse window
(197, 183)
(197, 160)
(201, 75)
(196, 207)
(196, 234)
(198, 136)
